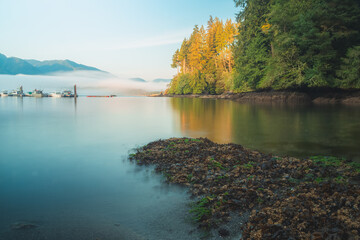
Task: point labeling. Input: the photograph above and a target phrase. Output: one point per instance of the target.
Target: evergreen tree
(204, 59)
(276, 44)
(252, 51)
(349, 73)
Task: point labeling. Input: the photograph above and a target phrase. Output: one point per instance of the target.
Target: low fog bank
(88, 82)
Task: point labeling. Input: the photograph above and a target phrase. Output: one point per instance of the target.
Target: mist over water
(88, 82)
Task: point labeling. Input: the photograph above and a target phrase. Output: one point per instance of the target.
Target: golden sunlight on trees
(205, 60)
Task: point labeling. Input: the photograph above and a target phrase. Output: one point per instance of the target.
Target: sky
(128, 38)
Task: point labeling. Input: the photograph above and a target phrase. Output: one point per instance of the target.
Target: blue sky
(132, 38)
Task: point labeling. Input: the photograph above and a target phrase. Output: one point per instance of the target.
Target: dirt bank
(283, 198)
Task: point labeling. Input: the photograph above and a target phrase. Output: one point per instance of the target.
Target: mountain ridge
(14, 66)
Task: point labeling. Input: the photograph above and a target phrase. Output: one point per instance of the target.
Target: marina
(38, 93)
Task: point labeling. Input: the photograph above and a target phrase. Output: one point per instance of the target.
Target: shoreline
(277, 197)
(315, 96)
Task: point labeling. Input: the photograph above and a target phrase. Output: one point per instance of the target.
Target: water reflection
(64, 166)
(75, 104)
(281, 129)
(68, 172)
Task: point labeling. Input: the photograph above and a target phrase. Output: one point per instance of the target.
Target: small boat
(67, 93)
(4, 94)
(37, 93)
(17, 93)
(12, 93)
(55, 94)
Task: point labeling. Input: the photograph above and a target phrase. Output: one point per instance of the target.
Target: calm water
(63, 165)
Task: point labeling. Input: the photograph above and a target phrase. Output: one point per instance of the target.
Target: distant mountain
(161, 80)
(59, 66)
(13, 66)
(137, 79)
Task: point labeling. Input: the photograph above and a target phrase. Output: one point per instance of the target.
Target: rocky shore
(280, 197)
(323, 96)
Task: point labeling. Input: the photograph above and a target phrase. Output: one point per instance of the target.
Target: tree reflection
(297, 130)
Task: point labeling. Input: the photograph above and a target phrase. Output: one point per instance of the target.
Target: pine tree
(252, 51)
(183, 55)
(349, 72)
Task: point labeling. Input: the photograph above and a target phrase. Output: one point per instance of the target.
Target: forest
(273, 45)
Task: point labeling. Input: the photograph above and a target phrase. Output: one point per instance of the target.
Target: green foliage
(215, 164)
(340, 179)
(248, 165)
(201, 209)
(252, 50)
(168, 176)
(276, 44)
(204, 59)
(250, 177)
(180, 84)
(319, 180)
(355, 166)
(300, 45)
(349, 73)
(221, 177)
(195, 140)
(327, 160)
(335, 162)
(171, 146)
(189, 177)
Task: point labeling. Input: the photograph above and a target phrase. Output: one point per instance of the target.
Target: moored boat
(4, 94)
(55, 94)
(17, 93)
(67, 93)
(37, 93)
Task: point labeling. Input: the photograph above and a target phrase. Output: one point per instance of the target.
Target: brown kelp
(284, 197)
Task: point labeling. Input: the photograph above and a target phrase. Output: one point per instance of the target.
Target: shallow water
(64, 167)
